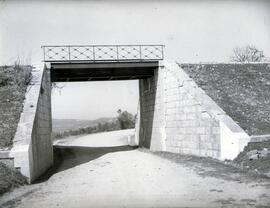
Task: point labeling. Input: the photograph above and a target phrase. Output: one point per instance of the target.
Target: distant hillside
(60, 125)
(242, 90)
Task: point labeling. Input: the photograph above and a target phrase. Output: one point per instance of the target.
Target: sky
(192, 31)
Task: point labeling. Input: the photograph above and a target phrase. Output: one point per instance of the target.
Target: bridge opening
(67, 64)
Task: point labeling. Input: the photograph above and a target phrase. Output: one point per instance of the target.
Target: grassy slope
(9, 178)
(260, 165)
(13, 84)
(241, 90)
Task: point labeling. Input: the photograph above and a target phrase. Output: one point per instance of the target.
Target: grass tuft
(10, 178)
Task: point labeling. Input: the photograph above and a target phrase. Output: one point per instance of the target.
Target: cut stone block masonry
(178, 116)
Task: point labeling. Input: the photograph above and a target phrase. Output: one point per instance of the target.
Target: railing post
(162, 52)
(44, 59)
(117, 53)
(94, 55)
(69, 53)
(140, 53)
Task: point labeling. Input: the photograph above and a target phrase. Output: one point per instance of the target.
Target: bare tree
(247, 54)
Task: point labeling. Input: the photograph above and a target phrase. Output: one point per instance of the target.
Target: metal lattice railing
(97, 53)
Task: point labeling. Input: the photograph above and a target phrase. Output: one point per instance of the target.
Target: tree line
(124, 120)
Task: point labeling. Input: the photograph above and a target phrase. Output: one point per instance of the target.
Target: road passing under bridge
(121, 176)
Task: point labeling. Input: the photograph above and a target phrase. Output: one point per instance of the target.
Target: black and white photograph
(134, 103)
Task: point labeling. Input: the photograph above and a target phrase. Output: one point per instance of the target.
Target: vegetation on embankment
(242, 90)
(255, 158)
(10, 178)
(124, 120)
(13, 85)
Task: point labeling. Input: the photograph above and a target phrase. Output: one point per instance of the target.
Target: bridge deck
(102, 71)
(102, 62)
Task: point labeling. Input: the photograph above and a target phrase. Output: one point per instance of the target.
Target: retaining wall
(32, 146)
(177, 116)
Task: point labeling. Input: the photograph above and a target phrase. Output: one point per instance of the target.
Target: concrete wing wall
(32, 146)
(177, 116)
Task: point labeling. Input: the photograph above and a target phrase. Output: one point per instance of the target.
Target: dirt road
(113, 176)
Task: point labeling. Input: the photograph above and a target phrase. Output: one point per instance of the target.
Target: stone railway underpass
(175, 114)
